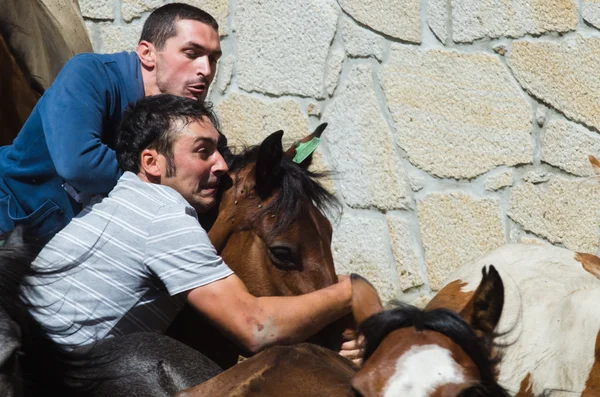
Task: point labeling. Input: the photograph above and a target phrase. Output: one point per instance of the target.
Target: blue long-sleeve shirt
(68, 139)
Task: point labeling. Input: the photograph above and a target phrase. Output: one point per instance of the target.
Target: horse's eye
(282, 257)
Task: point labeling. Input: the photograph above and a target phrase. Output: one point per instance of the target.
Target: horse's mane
(297, 185)
(445, 322)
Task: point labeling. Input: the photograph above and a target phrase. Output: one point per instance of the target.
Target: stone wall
(455, 126)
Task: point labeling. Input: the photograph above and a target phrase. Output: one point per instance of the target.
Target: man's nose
(203, 66)
(220, 167)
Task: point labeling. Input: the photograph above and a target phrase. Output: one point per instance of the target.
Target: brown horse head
(270, 228)
(435, 353)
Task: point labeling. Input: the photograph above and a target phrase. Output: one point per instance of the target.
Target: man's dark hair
(154, 122)
(160, 24)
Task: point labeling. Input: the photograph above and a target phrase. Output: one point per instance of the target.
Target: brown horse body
(37, 37)
(408, 352)
(19, 94)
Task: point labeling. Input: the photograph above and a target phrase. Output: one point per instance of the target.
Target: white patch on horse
(421, 370)
(550, 318)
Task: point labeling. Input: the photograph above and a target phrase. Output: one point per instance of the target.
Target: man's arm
(73, 111)
(257, 323)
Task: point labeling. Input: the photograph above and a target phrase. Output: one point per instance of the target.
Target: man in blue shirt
(64, 153)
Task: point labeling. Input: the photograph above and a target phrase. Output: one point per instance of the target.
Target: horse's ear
(365, 299)
(268, 164)
(291, 152)
(485, 307)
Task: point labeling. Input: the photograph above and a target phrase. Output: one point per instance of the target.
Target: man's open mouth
(197, 89)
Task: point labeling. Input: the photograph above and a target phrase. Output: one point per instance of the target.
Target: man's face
(187, 63)
(198, 164)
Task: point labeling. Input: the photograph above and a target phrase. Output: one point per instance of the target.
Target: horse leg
(139, 364)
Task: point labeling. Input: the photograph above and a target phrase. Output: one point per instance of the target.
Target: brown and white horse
(408, 352)
(551, 320)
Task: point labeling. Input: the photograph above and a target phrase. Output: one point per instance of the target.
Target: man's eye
(191, 55)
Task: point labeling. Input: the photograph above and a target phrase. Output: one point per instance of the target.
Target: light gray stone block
(246, 120)
(536, 177)
(562, 74)
(360, 245)
(367, 166)
(360, 42)
(567, 145)
(131, 9)
(476, 19)
(119, 38)
(563, 211)
(457, 115)
(456, 229)
(334, 68)
(283, 46)
(499, 181)
(224, 74)
(437, 17)
(399, 19)
(97, 9)
(403, 247)
(591, 12)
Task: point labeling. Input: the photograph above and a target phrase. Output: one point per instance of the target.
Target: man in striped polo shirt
(130, 260)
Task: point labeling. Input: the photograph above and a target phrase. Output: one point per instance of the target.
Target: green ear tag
(303, 150)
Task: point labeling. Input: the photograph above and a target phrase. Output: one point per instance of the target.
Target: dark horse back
(31, 364)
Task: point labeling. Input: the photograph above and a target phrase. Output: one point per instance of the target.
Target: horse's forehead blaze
(591, 263)
(408, 361)
(451, 297)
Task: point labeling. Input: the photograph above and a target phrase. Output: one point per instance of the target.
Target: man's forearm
(257, 323)
(285, 320)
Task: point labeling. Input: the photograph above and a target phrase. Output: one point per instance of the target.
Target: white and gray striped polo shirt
(136, 249)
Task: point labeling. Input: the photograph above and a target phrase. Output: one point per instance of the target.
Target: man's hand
(353, 347)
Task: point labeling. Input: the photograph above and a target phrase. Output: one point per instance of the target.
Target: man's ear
(149, 163)
(146, 53)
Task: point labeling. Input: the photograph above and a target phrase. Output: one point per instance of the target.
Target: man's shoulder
(152, 196)
(91, 57)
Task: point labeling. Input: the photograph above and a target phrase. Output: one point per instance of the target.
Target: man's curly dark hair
(154, 122)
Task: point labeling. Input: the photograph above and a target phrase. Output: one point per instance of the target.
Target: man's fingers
(351, 354)
(353, 350)
(351, 345)
(354, 343)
